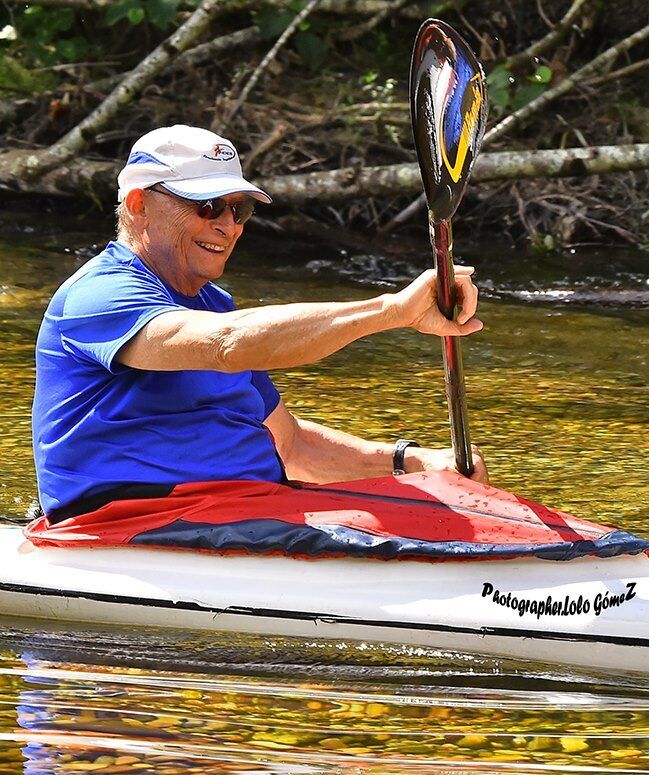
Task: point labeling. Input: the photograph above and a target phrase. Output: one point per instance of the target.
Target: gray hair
(125, 226)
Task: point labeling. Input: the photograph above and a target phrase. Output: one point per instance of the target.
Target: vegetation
(310, 87)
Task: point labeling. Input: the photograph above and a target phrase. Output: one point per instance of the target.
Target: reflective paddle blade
(448, 104)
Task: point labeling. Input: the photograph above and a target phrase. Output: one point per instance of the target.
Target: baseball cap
(191, 162)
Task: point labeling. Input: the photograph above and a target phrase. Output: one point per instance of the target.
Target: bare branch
(97, 179)
(337, 7)
(357, 31)
(82, 135)
(265, 62)
(349, 183)
(549, 40)
(621, 73)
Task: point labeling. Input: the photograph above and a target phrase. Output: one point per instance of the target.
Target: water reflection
(247, 704)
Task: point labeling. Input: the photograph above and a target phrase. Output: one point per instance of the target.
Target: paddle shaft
(441, 240)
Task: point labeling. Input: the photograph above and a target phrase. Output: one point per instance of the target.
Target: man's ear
(135, 201)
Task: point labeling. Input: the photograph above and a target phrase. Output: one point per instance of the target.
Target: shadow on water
(558, 399)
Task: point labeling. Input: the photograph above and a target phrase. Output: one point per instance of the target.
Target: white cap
(191, 162)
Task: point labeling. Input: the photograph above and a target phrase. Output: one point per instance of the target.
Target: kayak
(589, 609)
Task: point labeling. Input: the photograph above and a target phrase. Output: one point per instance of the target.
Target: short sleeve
(104, 310)
(267, 390)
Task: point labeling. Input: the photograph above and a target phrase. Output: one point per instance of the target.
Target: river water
(558, 400)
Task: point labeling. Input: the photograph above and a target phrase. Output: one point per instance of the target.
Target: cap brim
(212, 187)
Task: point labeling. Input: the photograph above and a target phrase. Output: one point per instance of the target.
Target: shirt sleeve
(105, 310)
(267, 390)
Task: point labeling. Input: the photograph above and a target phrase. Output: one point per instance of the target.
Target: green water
(558, 400)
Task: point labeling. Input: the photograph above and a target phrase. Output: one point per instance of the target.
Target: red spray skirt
(433, 515)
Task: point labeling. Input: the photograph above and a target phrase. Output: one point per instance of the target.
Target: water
(559, 403)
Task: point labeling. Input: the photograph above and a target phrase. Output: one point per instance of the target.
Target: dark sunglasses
(210, 209)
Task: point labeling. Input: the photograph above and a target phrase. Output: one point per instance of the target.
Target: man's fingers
(467, 298)
(455, 328)
(463, 270)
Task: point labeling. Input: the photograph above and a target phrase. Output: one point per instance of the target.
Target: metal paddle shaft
(448, 107)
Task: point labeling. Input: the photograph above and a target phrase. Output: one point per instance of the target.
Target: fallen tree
(97, 180)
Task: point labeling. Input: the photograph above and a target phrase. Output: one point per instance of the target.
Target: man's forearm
(322, 454)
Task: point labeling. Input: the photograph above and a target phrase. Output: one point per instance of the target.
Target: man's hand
(421, 459)
(416, 305)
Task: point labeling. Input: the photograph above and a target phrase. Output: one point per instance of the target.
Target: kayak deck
(587, 612)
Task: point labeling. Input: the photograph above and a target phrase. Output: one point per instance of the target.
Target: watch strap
(398, 466)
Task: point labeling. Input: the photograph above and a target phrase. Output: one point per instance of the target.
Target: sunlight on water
(558, 400)
(342, 707)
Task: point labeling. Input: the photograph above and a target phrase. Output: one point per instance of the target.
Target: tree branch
(549, 40)
(97, 179)
(357, 31)
(337, 7)
(621, 73)
(342, 184)
(594, 67)
(79, 137)
(265, 62)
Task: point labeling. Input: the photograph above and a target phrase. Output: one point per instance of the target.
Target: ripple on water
(74, 700)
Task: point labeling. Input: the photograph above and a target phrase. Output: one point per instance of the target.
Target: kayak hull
(588, 612)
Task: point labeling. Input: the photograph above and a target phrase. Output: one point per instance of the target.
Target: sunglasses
(210, 209)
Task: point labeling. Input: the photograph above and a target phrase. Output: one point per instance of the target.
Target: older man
(148, 376)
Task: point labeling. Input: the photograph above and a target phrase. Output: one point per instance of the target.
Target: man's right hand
(416, 305)
(424, 459)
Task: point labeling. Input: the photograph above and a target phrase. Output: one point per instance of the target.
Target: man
(147, 375)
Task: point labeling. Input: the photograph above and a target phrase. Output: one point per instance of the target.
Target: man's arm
(315, 453)
(286, 335)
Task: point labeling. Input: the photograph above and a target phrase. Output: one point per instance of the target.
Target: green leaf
(120, 10)
(71, 49)
(499, 100)
(527, 93)
(272, 22)
(61, 20)
(499, 85)
(500, 78)
(542, 74)
(313, 49)
(161, 12)
(136, 15)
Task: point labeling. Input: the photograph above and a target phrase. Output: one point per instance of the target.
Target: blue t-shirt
(98, 424)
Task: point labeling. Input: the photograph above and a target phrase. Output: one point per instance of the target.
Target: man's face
(194, 248)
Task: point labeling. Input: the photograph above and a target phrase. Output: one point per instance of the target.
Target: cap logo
(221, 153)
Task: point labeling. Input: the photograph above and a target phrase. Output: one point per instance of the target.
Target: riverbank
(334, 96)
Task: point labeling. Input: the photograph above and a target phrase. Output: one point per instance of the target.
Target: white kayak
(587, 612)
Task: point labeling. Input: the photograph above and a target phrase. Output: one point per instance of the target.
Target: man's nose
(226, 221)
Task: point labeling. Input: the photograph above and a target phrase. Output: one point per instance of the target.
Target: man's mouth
(211, 247)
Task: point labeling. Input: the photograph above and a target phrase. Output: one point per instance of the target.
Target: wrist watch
(400, 448)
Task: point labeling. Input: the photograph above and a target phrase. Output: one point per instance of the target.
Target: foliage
(505, 94)
(377, 89)
(45, 36)
(308, 40)
(159, 12)
(16, 78)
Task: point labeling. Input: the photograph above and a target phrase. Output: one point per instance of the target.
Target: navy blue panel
(261, 536)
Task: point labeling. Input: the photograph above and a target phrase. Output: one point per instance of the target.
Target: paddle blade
(448, 104)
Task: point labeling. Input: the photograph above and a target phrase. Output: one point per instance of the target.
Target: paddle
(448, 106)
